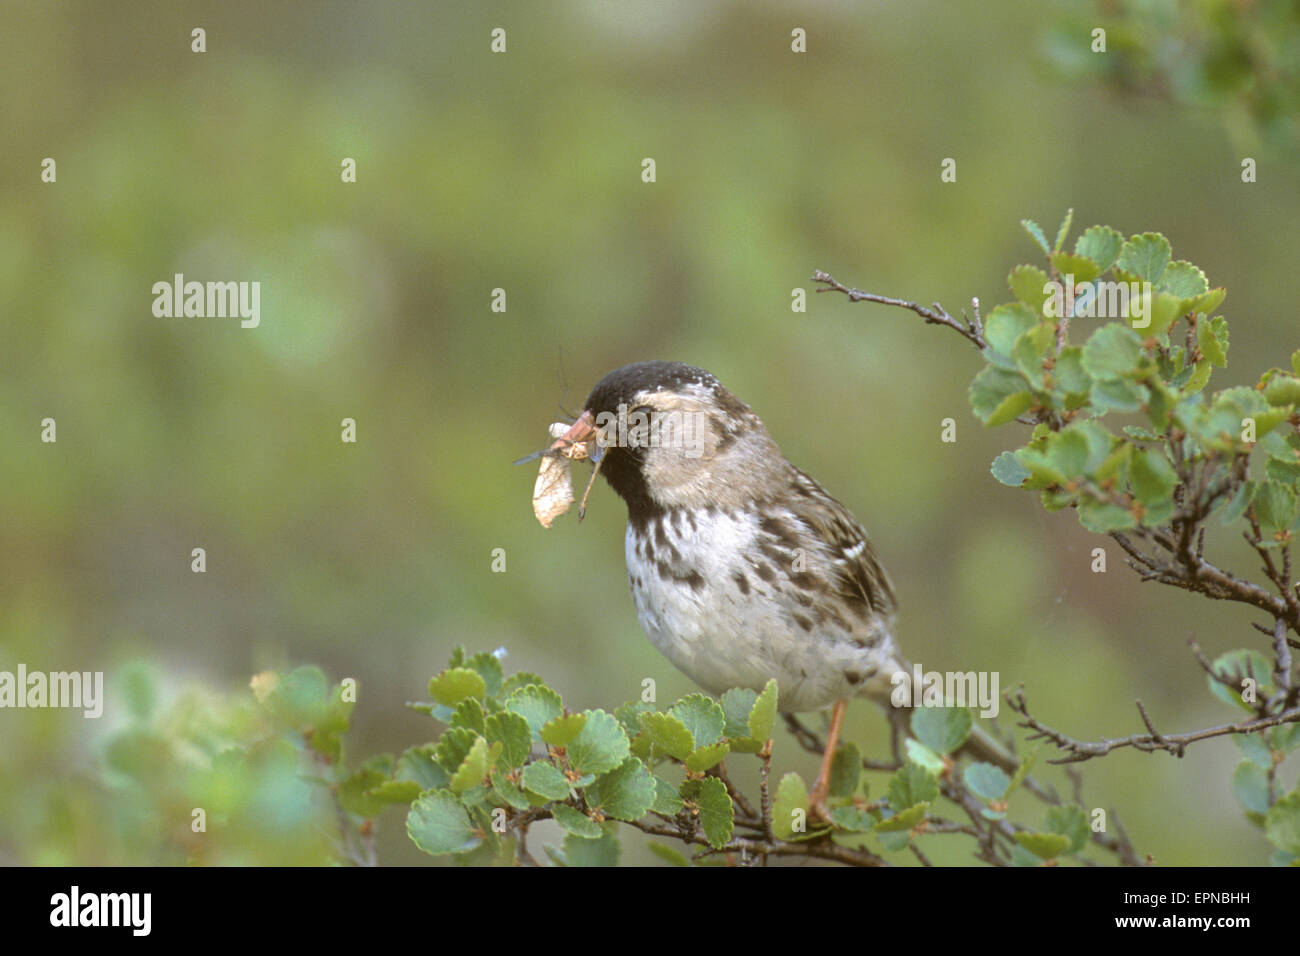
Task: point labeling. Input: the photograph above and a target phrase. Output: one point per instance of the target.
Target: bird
(742, 567)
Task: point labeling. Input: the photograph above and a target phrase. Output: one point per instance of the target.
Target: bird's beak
(581, 431)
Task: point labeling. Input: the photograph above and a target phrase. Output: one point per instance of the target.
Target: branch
(971, 329)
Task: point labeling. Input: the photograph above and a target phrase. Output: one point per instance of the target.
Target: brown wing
(861, 580)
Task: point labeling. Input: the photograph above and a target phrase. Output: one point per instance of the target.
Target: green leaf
(468, 714)
(454, 685)
(717, 814)
(1102, 517)
(578, 824)
(514, 735)
(1283, 390)
(995, 393)
(893, 842)
(763, 714)
(1282, 825)
(625, 793)
(1064, 231)
(736, 705)
(846, 771)
(1008, 470)
(1145, 256)
(1184, 280)
(919, 753)
(417, 765)
(1081, 268)
(602, 852)
(1046, 846)
(1070, 822)
(1255, 749)
(1152, 476)
(452, 747)
(667, 853)
(1212, 340)
(667, 800)
(702, 758)
(507, 793)
(667, 732)
(1118, 396)
(1112, 352)
(910, 785)
(790, 808)
(904, 820)
(1036, 233)
(1283, 470)
(1237, 666)
(987, 781)
(545, 779)
(1239, 503)
(601, 746)
(854, 819)
(1007, 323)
(473, 769)
(942, 729)
(1071, 376)
(537, 704)
(1275, 506)
(1026, 283)
(488, 666)
(1101, 244)
(437, 823)
(560, 731)
(702, 716)
(1250, 785)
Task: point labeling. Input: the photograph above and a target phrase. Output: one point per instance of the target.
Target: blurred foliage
(1238, 57)
(521, 171)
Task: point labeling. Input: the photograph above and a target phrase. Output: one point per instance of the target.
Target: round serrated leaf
(987, 781)
(911, 784)
(535, 703)
(763, 714)
(1027, 283)
(717, 813)
(702, 716)
(545, 779)
(667, 800)
(1145, 256)
(1250, 785)
(514, 735)
(702, 758)
(942, 729)
(1008, 470)
(601, 745)
(1275, 506)
(560, 731)
(668, 734)
(905, 820)
(437, 823)
(1045, 846)
(627, 792)
(852, 818)
(455, 684)
(1153, 477)
(736, 705)
(846, 771)
(1282, 824)
(1112, 352)
(578, 824)
(790, 808)
(1070, 822)
(473, 769)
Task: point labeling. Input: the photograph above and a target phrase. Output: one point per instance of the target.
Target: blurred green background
(522, 171)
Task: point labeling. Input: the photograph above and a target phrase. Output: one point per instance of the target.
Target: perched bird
(742, 567)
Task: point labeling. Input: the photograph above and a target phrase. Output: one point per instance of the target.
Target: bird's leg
(817, 799)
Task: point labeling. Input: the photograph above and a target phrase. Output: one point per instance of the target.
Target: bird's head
(670, 435)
